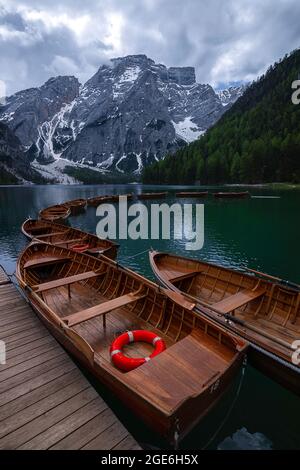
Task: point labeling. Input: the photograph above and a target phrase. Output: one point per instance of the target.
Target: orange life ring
(129, 363)
(80, 248)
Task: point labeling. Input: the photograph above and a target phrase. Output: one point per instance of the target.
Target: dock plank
(45, 400)
(87, 432)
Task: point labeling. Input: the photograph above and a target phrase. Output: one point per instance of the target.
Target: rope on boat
(231, 406)
(137, 254)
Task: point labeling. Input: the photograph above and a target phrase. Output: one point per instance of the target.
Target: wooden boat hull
(42, 227)
(77, 206)
(96, 201)
(151, 195)
(277, 370)
(231, 195)
(115, 198)
(192, 194)
(58, 214)
(140, 390)
(272, 355)
(50, 232)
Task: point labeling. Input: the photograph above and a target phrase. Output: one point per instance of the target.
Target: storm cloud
(226, 41)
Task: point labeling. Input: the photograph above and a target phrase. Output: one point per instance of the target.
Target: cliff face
(14, 165)
(26, 111)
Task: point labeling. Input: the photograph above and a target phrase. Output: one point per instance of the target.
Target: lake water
(261, 233)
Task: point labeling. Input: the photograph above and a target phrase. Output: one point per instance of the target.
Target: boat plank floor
(116, 323)
(202, 368)
(43, 406)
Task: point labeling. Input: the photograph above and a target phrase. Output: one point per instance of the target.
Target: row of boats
(61, 212)
(208, 317)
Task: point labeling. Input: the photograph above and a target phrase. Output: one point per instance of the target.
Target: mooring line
(137, 254)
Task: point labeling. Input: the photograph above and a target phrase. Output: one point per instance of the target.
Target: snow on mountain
(229, 95)
(131, 113)
(187, 129)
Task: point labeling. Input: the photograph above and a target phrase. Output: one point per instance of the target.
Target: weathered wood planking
(45, 400)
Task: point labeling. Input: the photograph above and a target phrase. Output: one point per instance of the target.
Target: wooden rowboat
(257, 307)
(151, 195)
(97, 200)
(115, 197)
(68, 237)
(58, 213)
(232, 195)
(76, 206)
(87, 302)
(192, 194)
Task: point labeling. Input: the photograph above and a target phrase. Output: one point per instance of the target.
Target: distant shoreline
(194, 186)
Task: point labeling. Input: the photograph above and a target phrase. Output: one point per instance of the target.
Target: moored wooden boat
(68, 237)
(58, 213)
(189, 194)
(116, 197)
(76, 205)
(87, 302)
(97, 200)
(232, 195)
(151, 195)
(255, 306)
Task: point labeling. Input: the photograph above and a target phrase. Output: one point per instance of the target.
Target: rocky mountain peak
(182, 75)
(229, 95)
(130, 113)
(27, 110)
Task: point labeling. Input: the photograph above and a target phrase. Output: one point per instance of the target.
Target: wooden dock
(45, 400)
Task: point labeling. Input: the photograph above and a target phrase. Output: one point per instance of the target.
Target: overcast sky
(225, 40)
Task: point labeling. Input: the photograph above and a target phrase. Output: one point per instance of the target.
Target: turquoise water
(260, 233)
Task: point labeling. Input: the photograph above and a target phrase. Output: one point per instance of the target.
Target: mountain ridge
(129, 114)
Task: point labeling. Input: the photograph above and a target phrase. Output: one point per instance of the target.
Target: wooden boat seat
(65, 281)
(183, 276)
(50, 234)
(38, 228)
(181, 371)
(74, 240)
(102, 309)
(44, 261)
(237, 300)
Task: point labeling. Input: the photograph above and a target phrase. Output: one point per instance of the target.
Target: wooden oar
(274, 278)
(258, 330)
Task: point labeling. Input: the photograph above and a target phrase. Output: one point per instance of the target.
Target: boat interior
(261, 304)
(99, 300)
(36, 228)
(67, 237)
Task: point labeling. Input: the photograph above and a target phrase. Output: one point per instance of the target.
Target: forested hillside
(257, 140)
